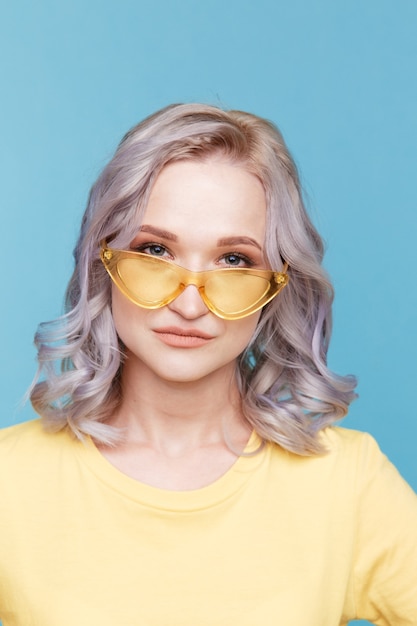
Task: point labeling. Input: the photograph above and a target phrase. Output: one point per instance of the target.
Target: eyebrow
(223, 241)
(158, 232)
(235, 241)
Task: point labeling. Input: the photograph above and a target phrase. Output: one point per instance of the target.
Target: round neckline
(191, 500)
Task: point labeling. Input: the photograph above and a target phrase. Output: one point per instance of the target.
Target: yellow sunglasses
(152, 282)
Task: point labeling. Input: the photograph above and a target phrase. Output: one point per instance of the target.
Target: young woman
(186, 468)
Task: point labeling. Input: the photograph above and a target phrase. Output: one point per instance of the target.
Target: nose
(189, 304)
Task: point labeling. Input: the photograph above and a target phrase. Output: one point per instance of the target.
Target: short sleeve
(385, 571)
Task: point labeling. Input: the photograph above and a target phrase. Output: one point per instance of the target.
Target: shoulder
(375, 479)
(347, 443)
(34, 465)
(353, 464)
(358, 449)
(338, 438)
(22, 434)
(343, 448)
(28, 444)
(10, 432)
(14, 437)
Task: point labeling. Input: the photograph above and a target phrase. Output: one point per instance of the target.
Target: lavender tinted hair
(288, 393)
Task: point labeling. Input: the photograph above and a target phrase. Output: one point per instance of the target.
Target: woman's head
(198, 132)
(282, 374)
(204, 223)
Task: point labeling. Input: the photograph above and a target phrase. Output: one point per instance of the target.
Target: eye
(235, 259)
(153, 249)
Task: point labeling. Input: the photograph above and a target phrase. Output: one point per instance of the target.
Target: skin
(178, 384)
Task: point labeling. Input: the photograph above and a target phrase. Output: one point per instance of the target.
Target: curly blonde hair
(288, 393)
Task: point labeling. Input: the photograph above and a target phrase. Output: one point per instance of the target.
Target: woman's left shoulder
(347, 442)
(341, 447)
(352, 462)
(339, 437)
(373, 471)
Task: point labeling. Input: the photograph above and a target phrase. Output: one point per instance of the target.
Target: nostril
(189, 303)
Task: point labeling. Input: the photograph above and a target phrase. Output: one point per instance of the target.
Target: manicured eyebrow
(224, 241)
(235, 241)
(158, 232)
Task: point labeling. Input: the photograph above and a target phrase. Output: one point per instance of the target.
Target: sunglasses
(152, 282)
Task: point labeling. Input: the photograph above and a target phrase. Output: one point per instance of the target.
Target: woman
(185, 469)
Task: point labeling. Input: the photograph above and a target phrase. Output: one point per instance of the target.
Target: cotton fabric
(279, 540)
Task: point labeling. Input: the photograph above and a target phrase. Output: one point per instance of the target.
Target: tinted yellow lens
(150, 282)
(153, 282)
(233, 292)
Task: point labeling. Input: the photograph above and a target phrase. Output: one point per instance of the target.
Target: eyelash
(146, 248)
(242, 257)
(148, 245)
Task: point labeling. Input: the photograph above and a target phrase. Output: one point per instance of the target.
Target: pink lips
(183, 338)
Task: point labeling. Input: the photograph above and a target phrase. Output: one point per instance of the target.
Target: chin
(187, 377)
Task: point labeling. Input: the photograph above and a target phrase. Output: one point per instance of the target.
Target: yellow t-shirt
(279, 540)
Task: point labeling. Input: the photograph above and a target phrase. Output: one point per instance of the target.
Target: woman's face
(201, 215)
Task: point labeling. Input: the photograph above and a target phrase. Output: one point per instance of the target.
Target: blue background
(339, 79)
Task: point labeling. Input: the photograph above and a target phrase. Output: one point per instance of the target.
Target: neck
(180, 415)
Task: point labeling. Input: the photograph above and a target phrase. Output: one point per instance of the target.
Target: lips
(183, 332)
(183, 338)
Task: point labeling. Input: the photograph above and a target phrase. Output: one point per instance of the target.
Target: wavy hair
(288, 393)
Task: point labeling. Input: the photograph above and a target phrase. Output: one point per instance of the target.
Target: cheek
(118, 306)
(125, 313)
(243, 331)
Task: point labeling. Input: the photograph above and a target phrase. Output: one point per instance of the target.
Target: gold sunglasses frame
(111, 257)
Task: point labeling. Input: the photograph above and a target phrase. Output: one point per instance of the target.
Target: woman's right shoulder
(26, 442)
(19, 434)
(21, 430)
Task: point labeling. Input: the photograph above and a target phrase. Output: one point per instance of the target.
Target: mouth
(183, 338)
(182, 332)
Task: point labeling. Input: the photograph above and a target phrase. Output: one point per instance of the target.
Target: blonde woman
(186, 468)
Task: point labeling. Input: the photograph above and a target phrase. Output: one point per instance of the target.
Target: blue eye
(154, 249)
(233, 259)
(237, 260)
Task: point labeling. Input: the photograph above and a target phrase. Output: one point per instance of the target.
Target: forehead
(213, 194)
